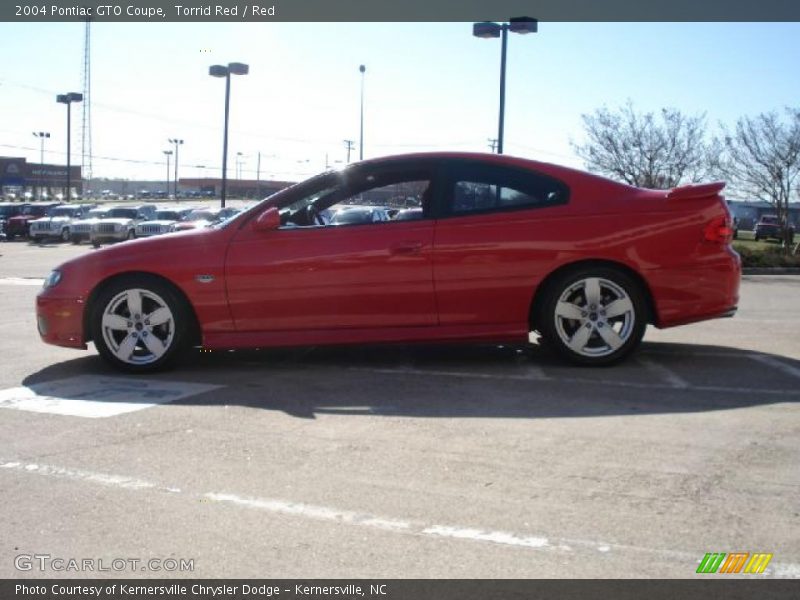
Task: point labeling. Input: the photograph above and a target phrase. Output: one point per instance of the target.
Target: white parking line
(95, 396)
(581, 380)
(781, 366)
(671, 377)
(394, 525)
(21, 281)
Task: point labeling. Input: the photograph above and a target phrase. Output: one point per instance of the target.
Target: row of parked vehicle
(101, 224)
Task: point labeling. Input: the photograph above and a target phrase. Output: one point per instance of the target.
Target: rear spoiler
(702, 190)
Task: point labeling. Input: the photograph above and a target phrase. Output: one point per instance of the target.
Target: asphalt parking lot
(404, 461)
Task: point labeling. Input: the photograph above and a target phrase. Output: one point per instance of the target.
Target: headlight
(52, 279)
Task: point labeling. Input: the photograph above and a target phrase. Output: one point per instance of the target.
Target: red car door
(498, 236)
(310, 274)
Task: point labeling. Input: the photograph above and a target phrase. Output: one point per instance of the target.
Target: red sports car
(504, 247)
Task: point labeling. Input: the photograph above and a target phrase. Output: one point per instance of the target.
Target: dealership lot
(405, 461)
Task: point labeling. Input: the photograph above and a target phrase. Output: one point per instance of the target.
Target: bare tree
(761, 159)
(642, 149)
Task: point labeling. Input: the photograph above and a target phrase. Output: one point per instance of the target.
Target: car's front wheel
(65, 234)
(593, 316)
(139, 324)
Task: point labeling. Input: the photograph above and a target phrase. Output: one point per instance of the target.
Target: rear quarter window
(479, 188)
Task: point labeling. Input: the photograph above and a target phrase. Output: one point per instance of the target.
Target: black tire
(65, 234)
(131, 235)
(756, 237)
(626, 329)
(154, 293)
(95, 244)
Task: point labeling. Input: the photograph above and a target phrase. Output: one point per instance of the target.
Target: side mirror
(268, 220)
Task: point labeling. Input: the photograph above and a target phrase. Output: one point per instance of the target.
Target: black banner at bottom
(395, 589)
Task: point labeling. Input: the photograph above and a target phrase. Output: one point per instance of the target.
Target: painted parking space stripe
(32, 281)
(670, 376)
(301, 510)
(776, 364)
(98, 396)
(532, 376)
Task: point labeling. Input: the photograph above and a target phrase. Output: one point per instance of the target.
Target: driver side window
(361, 198)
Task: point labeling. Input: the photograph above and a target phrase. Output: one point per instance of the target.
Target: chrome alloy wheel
(138, 326)
(594, 317)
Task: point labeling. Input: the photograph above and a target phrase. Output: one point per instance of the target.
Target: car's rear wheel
(131, 234)
(592, 316)
(65, 234)
(139, 324)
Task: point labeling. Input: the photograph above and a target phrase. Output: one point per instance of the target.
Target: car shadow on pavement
(482, 381)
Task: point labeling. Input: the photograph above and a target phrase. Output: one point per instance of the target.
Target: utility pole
(349, 145)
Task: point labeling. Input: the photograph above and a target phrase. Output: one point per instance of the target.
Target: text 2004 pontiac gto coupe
(502, 247)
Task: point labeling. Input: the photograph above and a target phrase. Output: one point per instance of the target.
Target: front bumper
(106, 238)
(60, 320)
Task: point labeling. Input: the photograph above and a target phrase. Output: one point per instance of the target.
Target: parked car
(8, 210)
(769, 227)
(81, 229)
(203, 217)
(19, 224)
(409, 214)
(119, 224)
(358, 215)
(163, 222)
(58, 222)
(508, 249)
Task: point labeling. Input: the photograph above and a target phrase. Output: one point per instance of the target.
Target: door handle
(406, 248)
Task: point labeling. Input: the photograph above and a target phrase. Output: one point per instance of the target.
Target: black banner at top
(398, 10)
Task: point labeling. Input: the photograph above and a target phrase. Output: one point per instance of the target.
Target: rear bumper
(697, 293)
(60, 320)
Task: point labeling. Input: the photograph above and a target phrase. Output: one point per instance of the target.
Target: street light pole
(42, 135)
(519, 25)
(223, 71)
(167, 153)
(177, 143)
(68, 99)
(502, 117)
(362, 69)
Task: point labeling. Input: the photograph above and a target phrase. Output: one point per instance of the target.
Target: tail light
(719, 230)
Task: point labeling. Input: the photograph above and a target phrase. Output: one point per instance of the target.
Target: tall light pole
(487, 29)
(177, 143)
(42, 135)
(167, 153)
(239, 162)
(68, 99)
(226, 72)
(362, 69)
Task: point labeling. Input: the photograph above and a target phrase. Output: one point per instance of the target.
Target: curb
(771, 271)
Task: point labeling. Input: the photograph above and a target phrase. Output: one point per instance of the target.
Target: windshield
(122, 213)
(6, 210)
(96, 213)
(63, 212)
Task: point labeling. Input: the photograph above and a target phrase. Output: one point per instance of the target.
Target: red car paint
(469, 277)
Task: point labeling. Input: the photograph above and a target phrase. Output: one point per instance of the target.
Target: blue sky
(429, 86)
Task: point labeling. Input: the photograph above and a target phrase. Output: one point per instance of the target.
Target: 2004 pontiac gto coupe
(503, 247)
